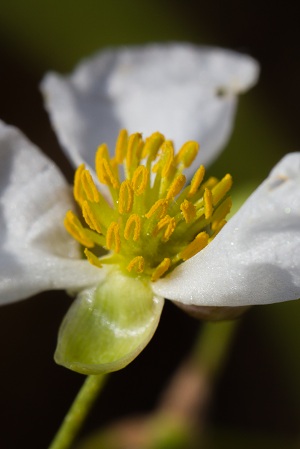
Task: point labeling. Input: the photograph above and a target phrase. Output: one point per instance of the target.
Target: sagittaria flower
(154, 227)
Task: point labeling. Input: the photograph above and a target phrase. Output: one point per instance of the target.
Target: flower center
(153, 220)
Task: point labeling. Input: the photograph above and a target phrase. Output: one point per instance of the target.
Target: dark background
(258, 395)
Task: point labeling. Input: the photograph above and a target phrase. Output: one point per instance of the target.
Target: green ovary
(109, 325)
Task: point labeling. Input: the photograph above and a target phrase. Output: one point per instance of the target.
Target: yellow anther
(152, 145)
(133, 151)
(199, 242)
(106, 174)
(187, 153)
(167, 222)
(137, 263)
(102, 152)
(104, 169)
(78, 190)
(161, 269)
(159, 208)
(89, 187)
(113, 237)
(90, 217)
(134, 221)
(121, 146)
(208, 206)
(216, 227)
(166, 160)
(176, 186)
(92, 258)
(220, 190)
(196, 181)
(188, 211)
(76, 230)
(220, 213)
(140, 179)
(125, 197)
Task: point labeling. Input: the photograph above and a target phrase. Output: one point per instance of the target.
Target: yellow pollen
(188, 211)
(134, 221)
(138, 263)
(176, 186)
(105, 173)
(166, 161)
(133, 153)
(153, 219)
(113, 237)
(121, 146)
(125, 197)
(196, 181)
(221, 212)
(169, 224)
(199, 242)
(75, 228)
(78, 190)
(159, 207)
(90, 218)
(92, 258)
(208, 206)
(89, 187)
(161, 269)
(140, 179)
(101, 153)
(152, 145)
(217, 228)
(220, 190)
(187, 154)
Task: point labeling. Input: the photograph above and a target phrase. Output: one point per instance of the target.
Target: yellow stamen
(113, 237)
(90, 218)
(176, 186)
(161, 269)
(75, 228)
(155, 215)
(167, 222)
(187, 154)
(140, 179)
(166, 161)
(220, 190)
(217, 228)
(104, 169)
(220, 213)
(208, 206)
(138, 263)
(152, 145)
(133, 152)
(78, 190)
(121, 146)
(196, 181)
(159, 207)
(125, 197)
(92, 258)
(188, 211)
(133, 221)
(89, 187)
(199, 242)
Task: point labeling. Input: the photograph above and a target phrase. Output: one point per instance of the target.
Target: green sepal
(109, 325)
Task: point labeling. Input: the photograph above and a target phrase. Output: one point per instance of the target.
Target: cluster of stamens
(152, 220)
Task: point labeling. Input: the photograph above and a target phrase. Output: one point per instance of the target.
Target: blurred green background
(258, 398)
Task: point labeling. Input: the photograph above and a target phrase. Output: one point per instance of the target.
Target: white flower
(176, 89)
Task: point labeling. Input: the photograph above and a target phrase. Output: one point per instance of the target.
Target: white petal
(256, 257)
(172, 88)
(36, 253)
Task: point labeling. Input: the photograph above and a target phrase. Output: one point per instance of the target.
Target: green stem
(79, 410)
(212, 345)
